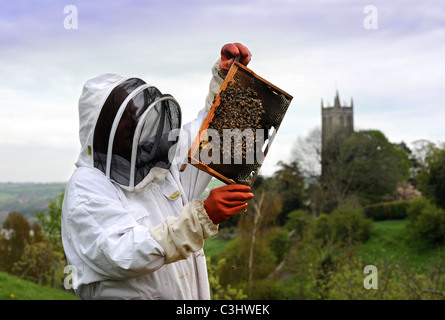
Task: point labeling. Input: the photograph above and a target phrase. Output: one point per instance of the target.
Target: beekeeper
(133, 226)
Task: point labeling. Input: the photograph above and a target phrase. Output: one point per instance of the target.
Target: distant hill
(27, 198)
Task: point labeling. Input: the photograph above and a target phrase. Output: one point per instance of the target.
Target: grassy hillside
(214, 245)
(389, 240)
(14, 288)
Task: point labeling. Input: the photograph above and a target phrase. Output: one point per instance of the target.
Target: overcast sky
(394, 71)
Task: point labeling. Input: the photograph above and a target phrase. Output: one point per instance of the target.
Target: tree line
(34, 251)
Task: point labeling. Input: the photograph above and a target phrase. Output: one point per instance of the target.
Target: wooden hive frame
(275, 100)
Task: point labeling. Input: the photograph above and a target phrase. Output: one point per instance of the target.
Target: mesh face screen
(151, 141)
(154, 148)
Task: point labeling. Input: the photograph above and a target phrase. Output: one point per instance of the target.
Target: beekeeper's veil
(129, 139)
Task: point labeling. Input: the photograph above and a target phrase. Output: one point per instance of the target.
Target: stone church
(336, 118)
(338, 122)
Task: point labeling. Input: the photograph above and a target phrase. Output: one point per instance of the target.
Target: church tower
(336, 118)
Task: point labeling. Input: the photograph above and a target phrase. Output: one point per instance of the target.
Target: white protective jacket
(136, 245)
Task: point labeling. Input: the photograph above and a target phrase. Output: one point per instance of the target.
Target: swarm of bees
(241, 109)
(225, 147)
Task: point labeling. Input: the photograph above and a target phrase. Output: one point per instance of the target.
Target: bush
(415, 208)
(236, 255)
(322, 228)
(426, 221)
(298, 220)
(387, 210)
(346, 224)
(279, 244)
(349, 224)
(267, 289)
(217, 291)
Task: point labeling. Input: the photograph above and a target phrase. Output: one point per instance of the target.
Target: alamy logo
(371, 281)
(70, 22)
(371, 20)
(70, 281)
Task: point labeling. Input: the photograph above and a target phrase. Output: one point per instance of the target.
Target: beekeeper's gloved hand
(227, 201)
(230, 51)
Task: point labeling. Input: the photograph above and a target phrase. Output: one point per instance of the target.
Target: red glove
(230, 51)
(226, 201)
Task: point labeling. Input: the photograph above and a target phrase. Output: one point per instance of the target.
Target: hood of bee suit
(124, 126)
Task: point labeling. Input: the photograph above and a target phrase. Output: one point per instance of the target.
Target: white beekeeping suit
(131, 222)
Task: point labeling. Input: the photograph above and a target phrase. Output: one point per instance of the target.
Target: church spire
(337, 101)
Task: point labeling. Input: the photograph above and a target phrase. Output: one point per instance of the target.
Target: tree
(51, 225)
(37, 232)
(431, 174)
(318, 199)
(33, 252)
(421, 148)
(366, 165)
(37, 260)
(307, 153)
(17, 228)
(288, 182)
(426, 221)
(51, 221)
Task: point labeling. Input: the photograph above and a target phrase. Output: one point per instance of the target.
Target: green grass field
(389, 240)
(213, 246)
(14, 288)
(30, 190)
